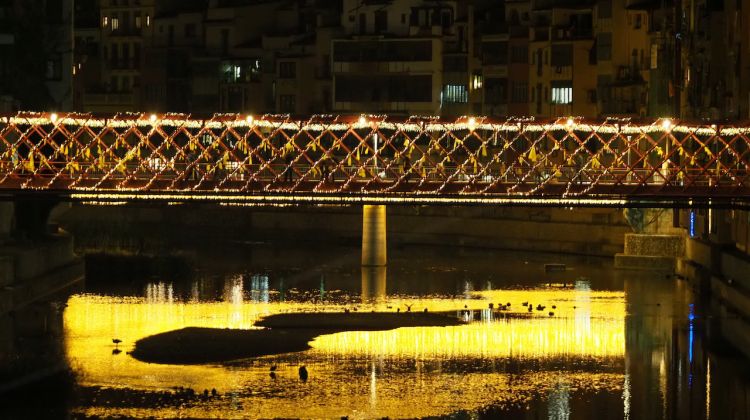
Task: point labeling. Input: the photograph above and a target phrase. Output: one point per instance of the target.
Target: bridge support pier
(373, 284)
(373, 236)
(655, 246)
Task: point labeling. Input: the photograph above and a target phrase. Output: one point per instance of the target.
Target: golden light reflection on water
(342, 365)
(522, 338)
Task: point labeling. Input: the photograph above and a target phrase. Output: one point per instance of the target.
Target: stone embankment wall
(154, 230)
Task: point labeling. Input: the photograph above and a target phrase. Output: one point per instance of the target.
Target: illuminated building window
(562, 93)
(477, 81)
(105, 21)
(457, 94)
(115, 23)
(241, 71)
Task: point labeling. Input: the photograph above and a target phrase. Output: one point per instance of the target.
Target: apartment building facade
(403, 57)
(42, 79)
(541, 58)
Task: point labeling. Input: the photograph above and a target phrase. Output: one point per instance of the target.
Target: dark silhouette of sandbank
(283, 333)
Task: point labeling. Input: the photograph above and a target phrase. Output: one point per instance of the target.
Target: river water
(616, 344)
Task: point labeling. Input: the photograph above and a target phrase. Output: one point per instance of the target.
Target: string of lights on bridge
(336, 123)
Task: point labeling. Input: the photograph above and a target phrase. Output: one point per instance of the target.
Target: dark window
(603, 85)
(514, 17)
(495, 52)
(114, 55)
(190, 31)
(496, 91)
(137, 55)
(455, 63)
(54, 10)
(125, 56)
(604, 46)
(288, 104)
(362, 23)
(519, 92)
(54, 67)
(225, 41)
(446, 20)
(519, 54)
(604, 9)
(391, 88)
(381, 21)
(170, 35)
(126, 22)
(373, 51)
(539, 62)
(287, 70)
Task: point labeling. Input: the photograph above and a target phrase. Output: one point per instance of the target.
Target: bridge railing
(370, 154)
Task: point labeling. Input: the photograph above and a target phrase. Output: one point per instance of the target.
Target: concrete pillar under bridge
(655, 245)
(374, 236)
(374, 283)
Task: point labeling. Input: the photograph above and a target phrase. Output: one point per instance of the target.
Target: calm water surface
(616, 345)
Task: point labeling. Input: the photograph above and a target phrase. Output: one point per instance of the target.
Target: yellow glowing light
(666, 123)
(249, 119)
(594, 330)
(351, 199)
(362, 120)
(570, 122)
(53, 118)
(153, 118)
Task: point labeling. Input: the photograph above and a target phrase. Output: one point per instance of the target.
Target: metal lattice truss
(371, 156)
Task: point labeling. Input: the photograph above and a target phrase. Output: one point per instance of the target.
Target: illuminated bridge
(372, 159)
